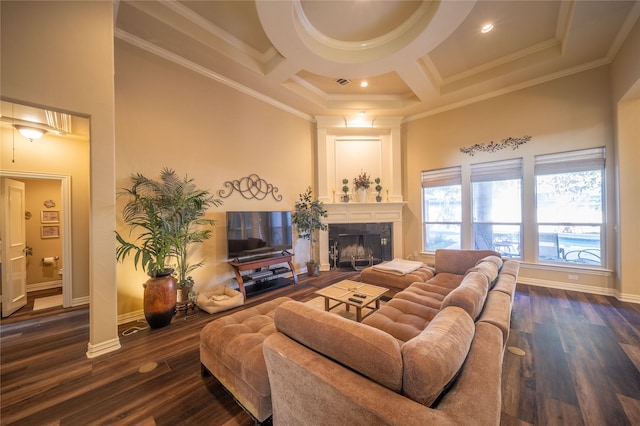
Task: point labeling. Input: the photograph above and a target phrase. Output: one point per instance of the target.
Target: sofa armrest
(476, 397)
(308, 388)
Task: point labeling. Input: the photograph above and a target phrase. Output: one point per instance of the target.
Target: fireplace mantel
(362, 213)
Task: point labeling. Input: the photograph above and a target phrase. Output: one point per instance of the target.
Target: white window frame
(567, 162)
(434, 178)
(493, 172)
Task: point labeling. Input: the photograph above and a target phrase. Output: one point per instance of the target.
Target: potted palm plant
(307, 218)
(187, 205)
(165, 214)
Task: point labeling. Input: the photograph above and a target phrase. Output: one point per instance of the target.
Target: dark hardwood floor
(581, 366)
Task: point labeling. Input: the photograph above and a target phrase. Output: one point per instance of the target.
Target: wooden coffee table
(345, 292)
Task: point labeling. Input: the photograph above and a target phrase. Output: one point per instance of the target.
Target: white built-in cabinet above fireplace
(346, 149)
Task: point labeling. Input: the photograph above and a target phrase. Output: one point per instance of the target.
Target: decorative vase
(362, 195)
(378, 198)
(160, 300)
(345, 198)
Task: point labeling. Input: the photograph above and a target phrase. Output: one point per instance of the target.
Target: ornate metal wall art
(512, 143)
(249, 187)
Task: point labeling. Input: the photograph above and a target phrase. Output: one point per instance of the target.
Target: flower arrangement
(363, 181)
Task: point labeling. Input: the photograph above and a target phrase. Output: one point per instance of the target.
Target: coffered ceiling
(418, 57)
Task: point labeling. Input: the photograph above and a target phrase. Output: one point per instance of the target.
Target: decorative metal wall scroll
(251, 186)
(512, 143)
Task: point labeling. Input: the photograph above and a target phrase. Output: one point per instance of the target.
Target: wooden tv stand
(238, 267)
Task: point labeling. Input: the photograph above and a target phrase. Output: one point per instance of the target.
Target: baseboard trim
(130, 317)
(103, 348)
(631, 298)
(44, 285)
(79, 301)
(570, 287)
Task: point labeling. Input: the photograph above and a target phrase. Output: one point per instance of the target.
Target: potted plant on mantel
(307, 218)
(168, 214)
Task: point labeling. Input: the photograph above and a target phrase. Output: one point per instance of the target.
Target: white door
(14, 260)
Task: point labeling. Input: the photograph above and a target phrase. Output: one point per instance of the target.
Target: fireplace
(354, 246)
(360, 234)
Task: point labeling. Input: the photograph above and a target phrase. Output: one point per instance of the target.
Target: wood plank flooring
(581, 366)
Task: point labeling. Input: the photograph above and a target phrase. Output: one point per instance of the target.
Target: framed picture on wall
(49, 231)
(50, 216)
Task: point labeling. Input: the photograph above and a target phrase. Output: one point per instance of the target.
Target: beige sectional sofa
(431, 355)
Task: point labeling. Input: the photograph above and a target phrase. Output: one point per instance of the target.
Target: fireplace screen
(357, 246)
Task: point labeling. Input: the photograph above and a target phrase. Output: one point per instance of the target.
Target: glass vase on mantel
(362, 195)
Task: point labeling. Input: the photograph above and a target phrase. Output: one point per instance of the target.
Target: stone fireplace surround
(346, 213)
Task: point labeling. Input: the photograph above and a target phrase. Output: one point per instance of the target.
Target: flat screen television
(255, 234)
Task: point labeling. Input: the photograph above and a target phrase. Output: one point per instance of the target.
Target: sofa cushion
(401, 318)
(369, 351)
(489, 266)
(459, 261)
(384, 279)
(422, 294)
(506, 284)
(470, 295)
(497, 311)
(447, 280)
(511, 267)
(475, 398)
(433, 358)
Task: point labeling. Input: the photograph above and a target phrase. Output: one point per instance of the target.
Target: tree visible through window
(497, 201)
(442, 208)
(569, 206)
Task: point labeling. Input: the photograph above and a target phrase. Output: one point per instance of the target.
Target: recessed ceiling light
(486, 28)
(364, 84)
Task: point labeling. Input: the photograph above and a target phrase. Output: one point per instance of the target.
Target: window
(497, 200)
(569, 206)
(442, 208)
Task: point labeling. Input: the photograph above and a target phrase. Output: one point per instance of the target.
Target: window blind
(497, 170)
(572, 161)
(442, 177)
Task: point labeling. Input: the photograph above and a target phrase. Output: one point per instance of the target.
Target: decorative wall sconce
(30, 133)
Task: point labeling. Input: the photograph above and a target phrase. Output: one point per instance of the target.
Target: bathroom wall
(37, 192)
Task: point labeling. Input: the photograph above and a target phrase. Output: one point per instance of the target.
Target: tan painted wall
(625, 76)
(75, 41)
(36, 192)
(169, 116)
(570, 113)
(629, 197)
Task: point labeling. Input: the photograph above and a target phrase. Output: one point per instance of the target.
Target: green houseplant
(378, 189)
(166, 215)
(307, 218)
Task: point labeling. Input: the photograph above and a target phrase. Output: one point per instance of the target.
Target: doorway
(49, 243)
(59, 216)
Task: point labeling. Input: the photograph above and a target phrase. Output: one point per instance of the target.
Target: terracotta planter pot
(313, 269)
(160, 300)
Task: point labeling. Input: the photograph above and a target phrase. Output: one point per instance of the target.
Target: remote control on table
(360, 295)
(352, 299)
